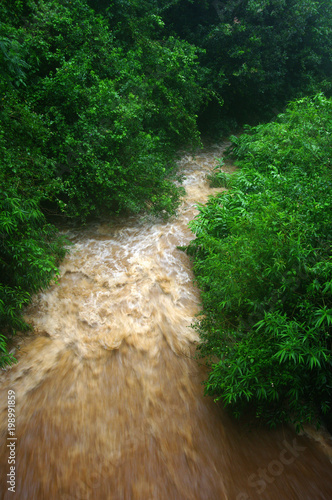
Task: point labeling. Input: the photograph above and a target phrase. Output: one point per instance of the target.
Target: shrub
(262, 258)
(29, 252)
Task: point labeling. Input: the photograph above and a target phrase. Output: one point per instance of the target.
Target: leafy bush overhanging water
(262, 258)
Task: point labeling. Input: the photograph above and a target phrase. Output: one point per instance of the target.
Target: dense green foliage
(262, 257)
(97, 121)
(259, 53)
(29, 252)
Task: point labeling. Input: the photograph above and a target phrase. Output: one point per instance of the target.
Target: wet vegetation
(97, 96)
(262, 258)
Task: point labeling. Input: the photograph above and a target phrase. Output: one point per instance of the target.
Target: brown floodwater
(109, 400)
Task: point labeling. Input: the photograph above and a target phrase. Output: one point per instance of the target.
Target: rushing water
(109, 402)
